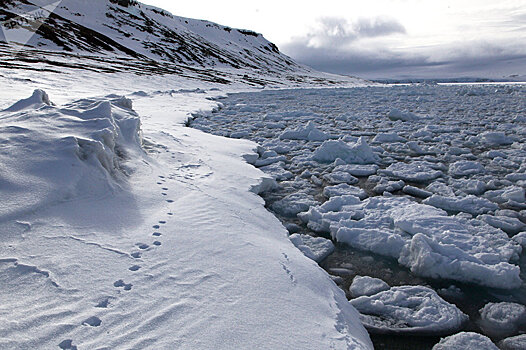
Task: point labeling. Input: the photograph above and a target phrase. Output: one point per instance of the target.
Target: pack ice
(406, 185)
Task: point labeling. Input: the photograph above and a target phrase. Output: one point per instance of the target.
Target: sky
(382, 38)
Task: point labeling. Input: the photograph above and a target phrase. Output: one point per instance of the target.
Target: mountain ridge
(129, 29)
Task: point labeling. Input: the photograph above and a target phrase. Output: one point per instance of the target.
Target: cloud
(373, 27)
(365, 48)
(339, 32)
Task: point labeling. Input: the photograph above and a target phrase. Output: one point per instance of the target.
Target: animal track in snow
(157, 243)
(103, 303)
(120, 283)
(92, 321)
(157, 234)
(67, 345)
(143, 246)
(134, 268)
(136, 255)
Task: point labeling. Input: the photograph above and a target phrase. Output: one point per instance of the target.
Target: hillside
(150, 39)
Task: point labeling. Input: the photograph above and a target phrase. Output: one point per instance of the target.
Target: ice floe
(409, 310)
(365, 285)
(502, 319)
(466, 340)
(315, 248)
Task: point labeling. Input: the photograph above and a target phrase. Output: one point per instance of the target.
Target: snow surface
(122, 228)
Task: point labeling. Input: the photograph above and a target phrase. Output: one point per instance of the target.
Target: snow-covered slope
(116, 238)
(128, 29)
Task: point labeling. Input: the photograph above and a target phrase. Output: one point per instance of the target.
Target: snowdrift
(53, 154)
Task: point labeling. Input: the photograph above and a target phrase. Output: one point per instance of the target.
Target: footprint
(162, 222)
(165, 188)
(103, 303)
(169, 200)
(136, 255)
(170, 214)
(157, 234)
(161, 177)
(134, 268)
(92, 321)
(157, 243)
(156, 227)
(159, 183)
(120, 283)
(67, 345)
(164, 194)
(143, 246)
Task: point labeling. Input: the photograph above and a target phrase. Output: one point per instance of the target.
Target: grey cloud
(373, 27)
(338, 31)
(473, 59)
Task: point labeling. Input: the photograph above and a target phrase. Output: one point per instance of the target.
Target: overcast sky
(382, 38)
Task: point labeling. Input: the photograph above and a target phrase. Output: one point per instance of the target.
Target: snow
(465, 340)
(358, 169)
(408, 310)
(293, 204)
(344, 189)
(315, 248)
(496, 138)
(414, 172)
(465, 168)
(354, 153)
(365, 285)
(420, 237)
(309, 132)
(502, 319)
(468, 204)
(509, 225)
(513, 343)
(122, 228)
(432, 200)
(396, 114)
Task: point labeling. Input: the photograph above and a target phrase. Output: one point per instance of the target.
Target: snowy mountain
(152, 36)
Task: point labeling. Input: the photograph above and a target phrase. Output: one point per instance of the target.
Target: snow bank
(408, 310)
(56, 153)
